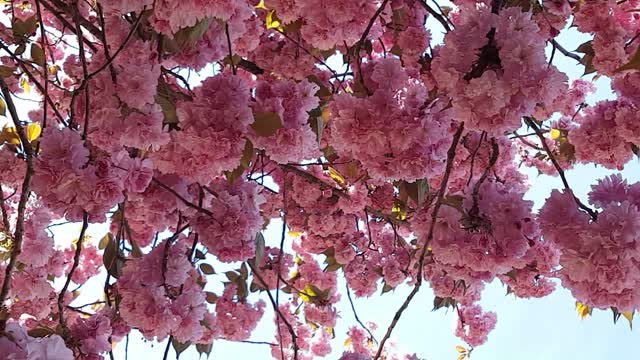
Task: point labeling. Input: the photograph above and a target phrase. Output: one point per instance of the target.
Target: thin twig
(294, 337)
(434, 214)
(355, 314)
(532, 124)
(74, 266)
(564, 51)
(16, 246)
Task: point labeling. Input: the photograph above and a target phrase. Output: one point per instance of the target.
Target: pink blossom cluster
(606, 132)
(598, 258)
(161, 293)
(295, 141)
(393, 133)
(494, 68)
(19, 345)
(213, 127)
(473, 325)
(229, 228)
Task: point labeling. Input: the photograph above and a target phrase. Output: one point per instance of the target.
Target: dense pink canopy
(404, 168)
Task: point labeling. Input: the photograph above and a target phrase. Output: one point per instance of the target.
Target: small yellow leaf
(555, 134)
(325, 115)
(307, 293)
(272, 21)
(24, 84)
(3, 107)
(261, 5)
(398, 212)
(294, 233)
(347, 342)
(53, 69)
(33, 131)
(297, 260)
(462, 356)
(10, 135)
(335, 175)
(583, 310)
(460, 349)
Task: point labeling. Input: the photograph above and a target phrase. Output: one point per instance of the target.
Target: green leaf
(112, 258)
(247, 154)
(386, 288)
(179, 347)
(266, 123)
(7, 71)
(635, 149)
(37, 55)
(104, 241)
(204, 349)
(260, 244)
(207, 269)
(633, 64)
(26, 27)
(211, 297)
(41, 332)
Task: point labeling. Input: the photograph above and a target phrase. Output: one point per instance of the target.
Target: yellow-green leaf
(6, 71)
(37, 55)
(261, 5)
(335, 175)
(633, 64)
(24, 84)
(207, 269)
(33, 131)
(461, 349)
(266, 123)
(3, 107)
(272, 21)
(555, 134)
(307, 293)
(583, 310)
(461, 356)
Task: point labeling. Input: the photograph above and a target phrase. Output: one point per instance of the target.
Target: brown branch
(451, 153)
(118, 50)
(294, 338)
(85, 71)
(58, 14)
(529, 121)
(105, 46)
(353, 308)
(45, 70)
(364, 37)
(16, 246)
(495, 151)
(74, 266)
(564, 51)
(5, 215)
(233, 66)
(33, 78)
(441, 19)
(181, 198)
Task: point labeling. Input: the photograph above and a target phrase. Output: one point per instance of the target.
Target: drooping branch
(451, 153)
(441, 19)
(16, 244)
(74, 266)
(35, 81)
(276, 308)
(534, 126)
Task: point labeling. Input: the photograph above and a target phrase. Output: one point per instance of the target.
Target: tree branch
(434, 214)
(16, 246)
(74, 266)
(534, 126)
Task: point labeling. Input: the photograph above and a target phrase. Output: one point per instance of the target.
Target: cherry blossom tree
(405, 168)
